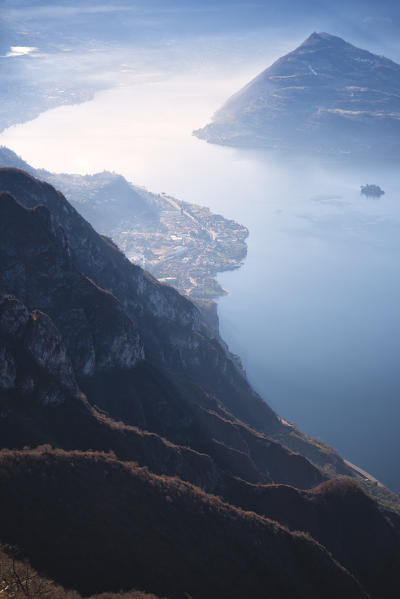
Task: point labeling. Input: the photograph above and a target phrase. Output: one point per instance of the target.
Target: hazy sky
(234, 27)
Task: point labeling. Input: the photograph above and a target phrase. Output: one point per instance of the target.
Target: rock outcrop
(36, 268)
(33, 358)
(105, 350)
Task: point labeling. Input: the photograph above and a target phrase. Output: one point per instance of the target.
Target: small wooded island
(372, 191)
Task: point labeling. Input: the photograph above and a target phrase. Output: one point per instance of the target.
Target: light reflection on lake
(314, 312)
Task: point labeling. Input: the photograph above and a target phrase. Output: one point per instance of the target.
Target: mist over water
(314, 312)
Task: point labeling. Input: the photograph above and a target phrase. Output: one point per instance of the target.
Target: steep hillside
(19, 580)
(91, 522)
(108, 358)
(37, 269)
(342, 518)
(174, 336)
(40, 403)
(107, 200)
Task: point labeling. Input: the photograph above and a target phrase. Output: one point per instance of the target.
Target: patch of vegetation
(95, 524)
(18, 580)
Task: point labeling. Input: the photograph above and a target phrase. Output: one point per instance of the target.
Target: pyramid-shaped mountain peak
(326, 95)
(322, 36)
(322, 41)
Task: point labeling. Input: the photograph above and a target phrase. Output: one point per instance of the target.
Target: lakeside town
(187, 248)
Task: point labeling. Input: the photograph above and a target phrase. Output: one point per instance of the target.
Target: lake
(314, 312)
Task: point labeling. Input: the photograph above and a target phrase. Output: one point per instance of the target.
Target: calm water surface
(315, 311)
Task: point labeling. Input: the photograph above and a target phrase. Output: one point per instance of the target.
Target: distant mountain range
(327, 96)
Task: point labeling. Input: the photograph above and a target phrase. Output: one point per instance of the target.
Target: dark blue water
(314, 312)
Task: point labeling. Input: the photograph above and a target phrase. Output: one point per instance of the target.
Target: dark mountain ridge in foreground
(170, 327)
(326, 96)
(153, 525)
(96, 356)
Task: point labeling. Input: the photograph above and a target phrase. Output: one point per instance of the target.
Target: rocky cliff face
(32, 355)
(327, 96)
(36, 267)
(100, 327)
(105, 348)
(174, 334)
(40, 402)
(170, 326)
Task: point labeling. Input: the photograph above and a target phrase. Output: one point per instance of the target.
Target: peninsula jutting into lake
(182, 244)
(188, 249)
